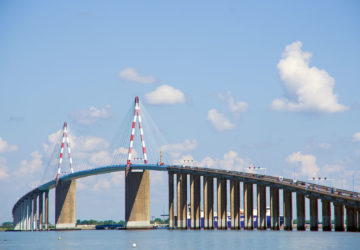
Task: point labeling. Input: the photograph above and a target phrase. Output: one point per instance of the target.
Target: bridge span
(30, 210)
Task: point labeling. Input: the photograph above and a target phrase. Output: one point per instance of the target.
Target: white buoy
(134, 245)
(59, 238)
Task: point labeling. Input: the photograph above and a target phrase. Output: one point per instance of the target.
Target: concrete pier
(41, 216)
(208, 202)
(358, 219)
(30, 215)
(314, 214)
(351, 219)
(137, 199)
(34, 225)
(287, 208)
(171, 201)
(46, 209)
(181, 201)
(235, 204)
(195, 202)
(339, 217)
(221, 203)
(248, 206)
(326, 215)
(274, 208)
(261, 207)
(65, 204)
(300, 211)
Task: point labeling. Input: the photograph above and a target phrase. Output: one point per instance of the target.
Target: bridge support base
(208, 202)
(261, 207)
(235, 204)
(287, 200)
(300, 211)
(248, 206)
(65, 205)
(137, 200)
(326, 215)
(221, 203)
(195, 201)
(313, 214)
(274, 208)
(339, 217)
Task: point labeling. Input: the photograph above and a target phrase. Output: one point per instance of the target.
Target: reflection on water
(176, 239)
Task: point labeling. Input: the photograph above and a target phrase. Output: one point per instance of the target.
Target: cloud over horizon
(165, 95)
(132, 75)
(91, 115)
(219, 121)
(307, 89)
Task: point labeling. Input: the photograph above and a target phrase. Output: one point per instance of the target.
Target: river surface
(176, 239)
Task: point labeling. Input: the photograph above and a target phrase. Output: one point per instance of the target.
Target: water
(176, 239)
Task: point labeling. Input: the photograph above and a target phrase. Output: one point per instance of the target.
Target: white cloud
(324, 145)
(165, 95)
(132, 75)
(89, 144)
(32, 166)
(308, 166)
(102, 183)
(356, 137)
(100, 158)
(91, 115)
(236, 107)
(6, 147)
(219, 121)
(307, 88)
(4, 170)
(175, 150)
(231, 161)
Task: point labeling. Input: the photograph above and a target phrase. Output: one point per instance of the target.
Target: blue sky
(229, 84)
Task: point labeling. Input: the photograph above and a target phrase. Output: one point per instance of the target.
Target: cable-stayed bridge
(31, 212)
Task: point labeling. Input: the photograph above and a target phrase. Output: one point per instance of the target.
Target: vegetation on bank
(7, 226)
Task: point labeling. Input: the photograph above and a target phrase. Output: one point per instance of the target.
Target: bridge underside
(137, 199)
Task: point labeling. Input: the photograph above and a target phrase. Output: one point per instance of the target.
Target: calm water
(166, 239)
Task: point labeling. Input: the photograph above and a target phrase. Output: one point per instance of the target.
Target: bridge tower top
(65, 137)
(137, 115)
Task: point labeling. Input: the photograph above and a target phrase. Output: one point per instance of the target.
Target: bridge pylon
(137, 183)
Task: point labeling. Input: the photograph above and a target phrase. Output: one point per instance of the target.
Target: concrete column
(300, 211)
(313, 214)
(248, 206)
(261, 207)
(221, 204)
(274, 208)
(41, 216)
(350, 219)
(287, 208)
(31, 214)
(195, 201)
(208, 202)
(339, 217)
(35, 212)
(46, 209)
(65, 204)
(235, 204)
(358, 219)
(137, 199)
(326, 215)
(181, 201)
(23, 215)
(171, 201)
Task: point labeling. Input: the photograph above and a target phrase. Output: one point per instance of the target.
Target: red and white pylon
(64, 137)
(137, 114)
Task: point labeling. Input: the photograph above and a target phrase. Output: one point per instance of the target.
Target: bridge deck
(309, 189)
